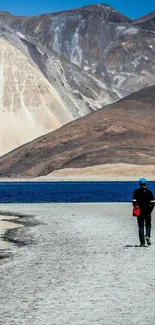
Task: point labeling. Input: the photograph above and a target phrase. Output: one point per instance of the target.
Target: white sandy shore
(5, 225)
(79, 271)
(107, 172)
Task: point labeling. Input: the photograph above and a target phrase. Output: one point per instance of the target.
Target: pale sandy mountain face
(29, 106)
(84, 60)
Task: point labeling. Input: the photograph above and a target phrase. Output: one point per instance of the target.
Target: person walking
(144, 199)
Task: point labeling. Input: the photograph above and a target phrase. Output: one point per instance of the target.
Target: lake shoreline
(7, 222)
(11, 223)
(73, 179)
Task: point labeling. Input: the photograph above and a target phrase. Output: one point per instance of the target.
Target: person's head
(142, 182)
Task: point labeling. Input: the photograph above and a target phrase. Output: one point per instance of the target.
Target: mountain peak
(104, 11)
(97, 6)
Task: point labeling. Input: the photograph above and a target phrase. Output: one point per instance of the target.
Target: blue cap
(142, 181)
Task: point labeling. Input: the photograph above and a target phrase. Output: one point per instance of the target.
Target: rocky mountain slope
(119, 133)
(146, 22)
(62, 66)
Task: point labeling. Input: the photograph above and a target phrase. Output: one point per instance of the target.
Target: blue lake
(41, 192)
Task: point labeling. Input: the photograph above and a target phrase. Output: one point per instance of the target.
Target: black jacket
(145, 199)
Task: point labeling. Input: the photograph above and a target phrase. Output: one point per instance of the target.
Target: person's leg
(141, 230)
(148, 229)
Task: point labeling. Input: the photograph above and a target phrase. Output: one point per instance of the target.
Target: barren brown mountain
(119, 133)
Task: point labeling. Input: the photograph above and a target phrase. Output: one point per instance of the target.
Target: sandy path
(79, 270)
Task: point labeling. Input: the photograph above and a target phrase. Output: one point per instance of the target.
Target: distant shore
(108, 172)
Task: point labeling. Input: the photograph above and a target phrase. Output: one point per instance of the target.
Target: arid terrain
(119, 133)
(58, 67)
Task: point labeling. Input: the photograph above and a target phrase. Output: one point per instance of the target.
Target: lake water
(61, 192)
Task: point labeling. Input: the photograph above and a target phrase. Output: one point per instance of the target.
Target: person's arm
(152, 202)
(134, 198)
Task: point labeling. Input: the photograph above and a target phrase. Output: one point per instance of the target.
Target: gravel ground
(75, 268)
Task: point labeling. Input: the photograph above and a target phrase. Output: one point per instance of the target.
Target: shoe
(148, 240)
(142, 245)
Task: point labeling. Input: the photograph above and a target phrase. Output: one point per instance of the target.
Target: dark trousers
(144, 221)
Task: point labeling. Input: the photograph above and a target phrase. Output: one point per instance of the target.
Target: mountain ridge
(144, 18)
(90, 7)
(146, 22)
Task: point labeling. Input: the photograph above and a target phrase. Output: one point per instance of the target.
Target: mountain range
(56, 68)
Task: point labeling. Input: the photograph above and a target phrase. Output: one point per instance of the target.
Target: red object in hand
(136, 211)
